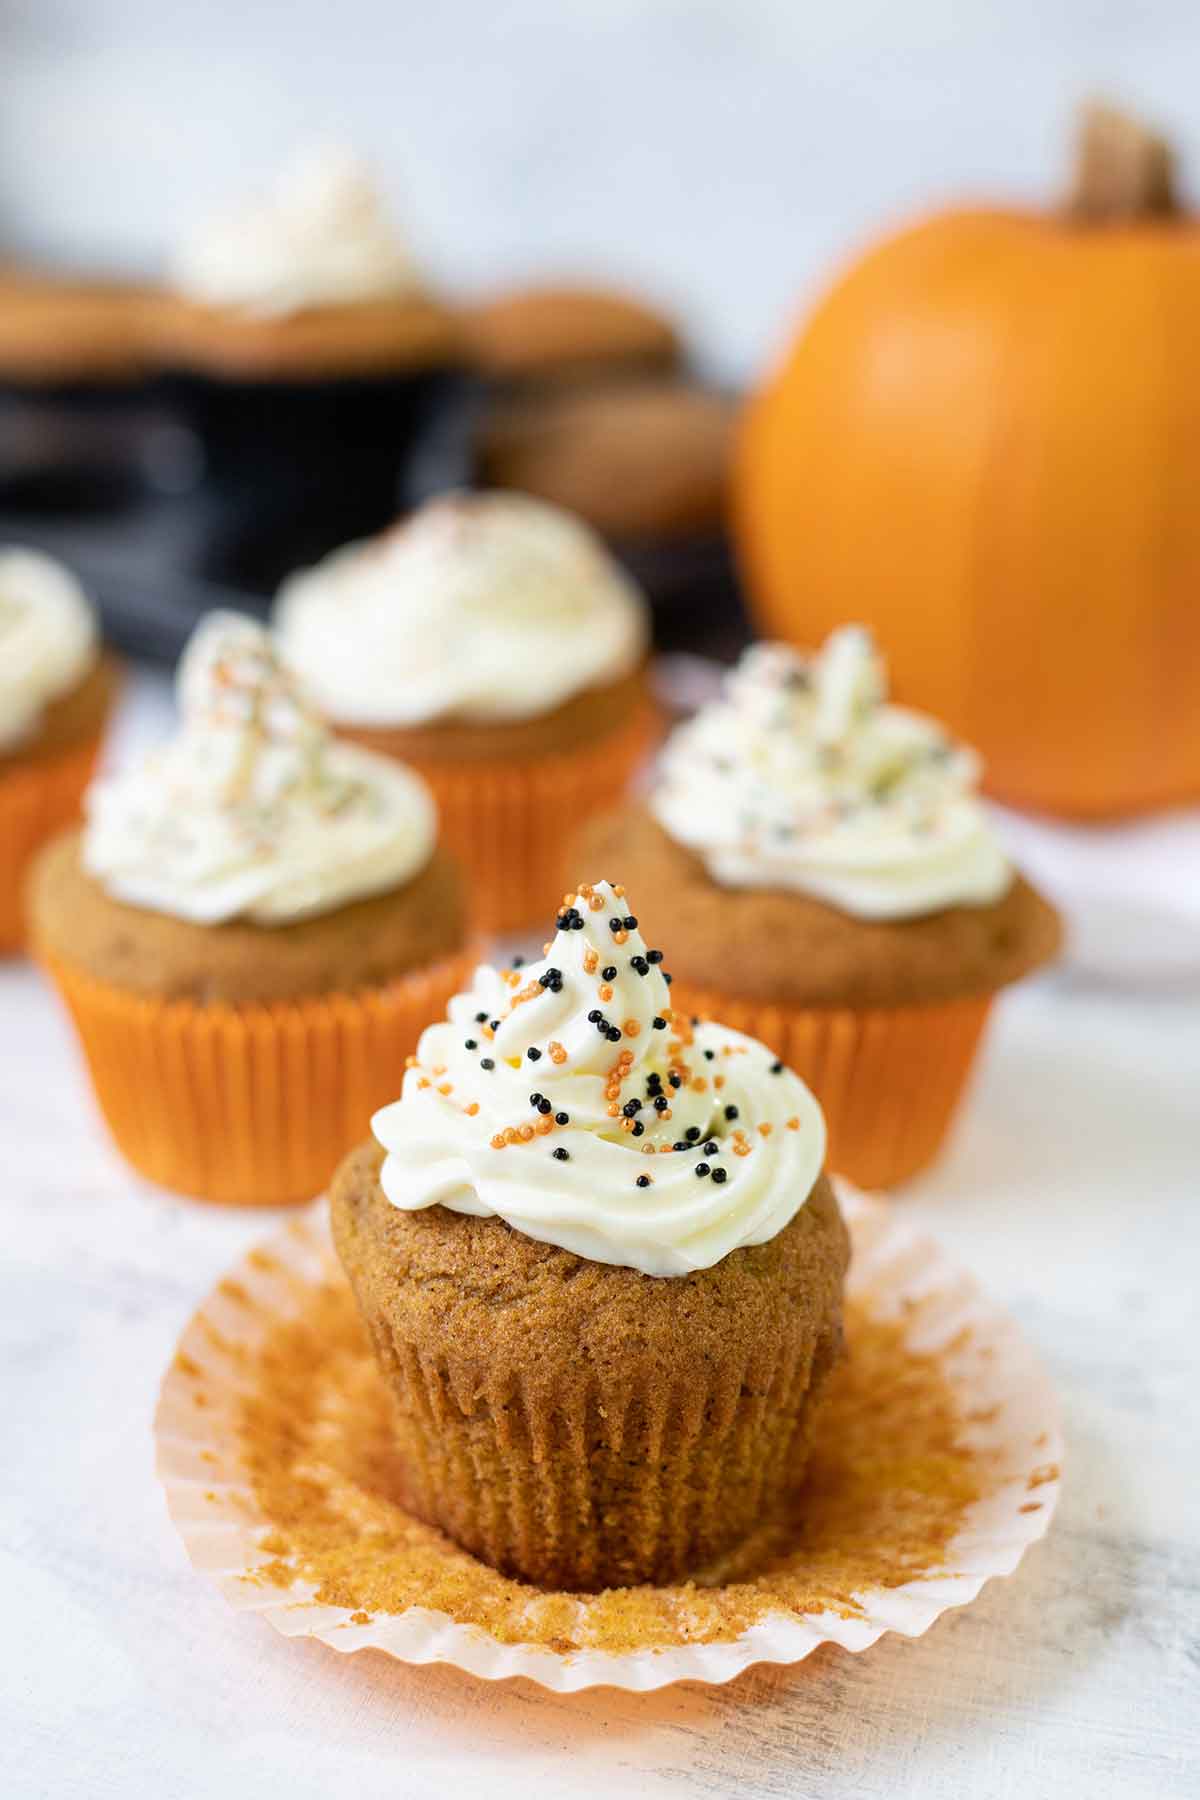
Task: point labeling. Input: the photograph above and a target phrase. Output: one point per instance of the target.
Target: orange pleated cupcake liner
(255, 1104)
(888, 1078)
(37, 799)
(506, 822)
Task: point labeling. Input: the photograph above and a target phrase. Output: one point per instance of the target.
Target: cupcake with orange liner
(839, 843)
(250, 932)
(491, 643)
(600, 1266)
(56, 692)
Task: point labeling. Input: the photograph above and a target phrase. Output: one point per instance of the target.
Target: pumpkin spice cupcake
(56, 692)
(599, 1264)
(839, 844)
(250, 933)
(491, 643)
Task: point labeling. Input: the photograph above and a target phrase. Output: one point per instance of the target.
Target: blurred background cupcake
(250, 933)
(491, 643)
(56, 692)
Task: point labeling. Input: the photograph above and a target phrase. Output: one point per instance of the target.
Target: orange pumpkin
(985, 444)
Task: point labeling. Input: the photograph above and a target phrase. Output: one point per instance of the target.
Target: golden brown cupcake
(565, 333)
(250, 933)
(57, 330)
(636, 459)
(599, 1264)
(492, 644)
(838, 843)
(56, 692)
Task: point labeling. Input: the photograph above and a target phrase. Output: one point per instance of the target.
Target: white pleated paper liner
(1010, 1421)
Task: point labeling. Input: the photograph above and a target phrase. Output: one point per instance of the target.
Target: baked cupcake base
(659, 1420)
(881, 1018)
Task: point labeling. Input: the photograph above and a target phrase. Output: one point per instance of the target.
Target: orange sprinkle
(498, 1141)
(410, 1062)
(648, 1149)
(626, 1124)
(606, 992)
(718, 1081)
(544, 1125)
(472, 1109)
(663, 1149)
(764, 1129)
(631, 1028)
(742, 1149)
(619, 892)
(556, 1052)
(591, 959)
(620, 937)
(596, 902)
(445, 1087)
(510, 1135)
(698, 1084)
(613, 1110)
(424, 1082)
(529, 992)
(793, 1124)
(525, 1133)
(439, 1068)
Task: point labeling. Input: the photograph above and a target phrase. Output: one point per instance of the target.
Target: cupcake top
(253, 811)
(319, 237)
(801, 776)
(567, 1098)
(481, 608)
(47, 640)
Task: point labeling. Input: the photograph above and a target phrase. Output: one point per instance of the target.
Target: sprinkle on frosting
(801, 776)
(320, 237)
(563, 1161)
(253, 810)
(47, 639)
(479, 608)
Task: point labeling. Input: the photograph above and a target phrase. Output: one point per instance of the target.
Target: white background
(720, 152)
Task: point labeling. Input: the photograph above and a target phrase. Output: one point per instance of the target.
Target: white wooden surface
(1071, 1188)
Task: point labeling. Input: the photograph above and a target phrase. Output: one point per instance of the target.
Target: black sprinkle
(667, 978)
(675, 1080)
(535, 1099)
(610, 973)
(692, 1134)
(551, 978)
(594, 1016)
(708, 1055)
(614, 924)
(660, 1024)
(487, 1063)
(631, 1108)
(561, 1155)
(543, 1106)
(640, 964)
(642, 1181)
(630, 923)
(638, 1128)
(654, 956)
(720, 1174)
(470, 1044)
(495, 1024)
(777, 1068)
(561, 1118)
(533, 1053)
(701, 1169)
(731, 1112)
(681, 1145)
(481, 1018)
(661, 1103)
(614, 1036)
(518, 962)
(695, 1018)
(711, 1148)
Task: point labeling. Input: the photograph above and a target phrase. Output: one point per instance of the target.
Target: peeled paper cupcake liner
(888, 1078)
(253, 1104)
(38, 798)
(1005, 1424)
(506, 821)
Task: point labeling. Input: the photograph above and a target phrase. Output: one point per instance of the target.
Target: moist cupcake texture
(250, 931)
(491, 642)
(831, 882)
(599, 1263)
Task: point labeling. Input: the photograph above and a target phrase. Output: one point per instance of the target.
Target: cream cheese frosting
(481, 607)
(567, 1098)
(48, 639)
(253, 810)
(320, 237)
(802, 776)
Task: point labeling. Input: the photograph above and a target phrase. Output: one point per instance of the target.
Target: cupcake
(250, 932)
(56, 691)
(565, 334)
(307, 353)
(838, 844)
(62, 334)
(490, 642)
(600, 1267)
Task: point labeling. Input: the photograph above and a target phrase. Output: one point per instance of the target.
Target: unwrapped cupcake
(492, 643)
(600, 1266)
(56, 692)
(251, 931)
(831, 882)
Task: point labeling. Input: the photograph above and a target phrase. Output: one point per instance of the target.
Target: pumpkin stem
(1123, 170)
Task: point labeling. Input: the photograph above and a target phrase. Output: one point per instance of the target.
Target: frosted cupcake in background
(839, 843)
(56, 692)
(600, 1266)
(251, 931)
(491, 643)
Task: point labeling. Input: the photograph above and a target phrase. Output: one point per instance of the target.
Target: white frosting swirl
(47, 639)
(253, 810)
(551, 1099)
(319, 238)
(801, 777)
(481, 607)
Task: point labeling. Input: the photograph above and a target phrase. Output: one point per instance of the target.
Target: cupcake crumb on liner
(889, 1079)
(39, 797)
(249, 1104)
(937, 1465)
(506, 821)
